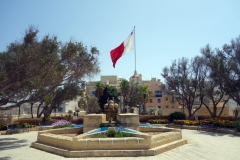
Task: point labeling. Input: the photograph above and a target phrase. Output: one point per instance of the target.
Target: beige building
(156, 100)
(159, 98)
(136, 78)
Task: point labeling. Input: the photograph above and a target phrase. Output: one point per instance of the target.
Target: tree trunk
(31, 110)
(39, 114)
(46, 114)
(214, 111)
(144, 109)
(19, 111)
(189, 113)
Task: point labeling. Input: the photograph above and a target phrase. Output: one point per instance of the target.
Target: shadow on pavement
(210, 133)
(7, 139)
(11, 143)
(5, 158)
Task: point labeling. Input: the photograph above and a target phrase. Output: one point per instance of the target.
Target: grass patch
(113, 133)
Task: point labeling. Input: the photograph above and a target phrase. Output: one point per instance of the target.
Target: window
(93, 93)
(150, 100)
(166, 106)
(158, 93)
(159, 107)
(159, 100)
(166, 98)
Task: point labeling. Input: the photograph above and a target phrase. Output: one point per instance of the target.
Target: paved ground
(201, 146)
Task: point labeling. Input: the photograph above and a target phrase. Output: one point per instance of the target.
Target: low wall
(148, 129)
(93, 121)
(164, 138)
(129, 120)
(139, 141)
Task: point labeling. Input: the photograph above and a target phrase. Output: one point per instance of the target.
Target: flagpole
(135, 51)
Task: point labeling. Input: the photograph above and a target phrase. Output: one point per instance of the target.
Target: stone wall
(93, 121)
(129, 120)
(139, 141)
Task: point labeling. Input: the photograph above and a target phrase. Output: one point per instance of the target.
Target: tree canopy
(33, 68)
(211, 79)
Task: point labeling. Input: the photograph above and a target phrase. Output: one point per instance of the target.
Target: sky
(165, 30)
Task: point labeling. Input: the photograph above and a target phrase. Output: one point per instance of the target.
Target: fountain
(85, 145)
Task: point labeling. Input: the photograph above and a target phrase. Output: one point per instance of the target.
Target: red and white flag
(123, 48)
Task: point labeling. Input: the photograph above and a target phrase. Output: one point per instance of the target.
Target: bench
(175, 124)
(16, 128)
(207, 126)
(45, 125)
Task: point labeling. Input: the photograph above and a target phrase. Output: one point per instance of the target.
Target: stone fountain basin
(83, 145)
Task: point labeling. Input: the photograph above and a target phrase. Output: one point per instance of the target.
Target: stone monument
(111, 111)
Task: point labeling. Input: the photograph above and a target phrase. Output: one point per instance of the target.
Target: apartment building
(156, 100)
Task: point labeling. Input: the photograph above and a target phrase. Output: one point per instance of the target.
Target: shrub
(146, 118)
(122, 134)
(100, 136)
(151, 111)
(176, 116)
(28, 125)
(236, 125)
(70, 112)
(111, 133)
(61, 124)
(158, 121)
(3, 123)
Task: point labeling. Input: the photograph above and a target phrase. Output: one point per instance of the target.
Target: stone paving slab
(201, 146)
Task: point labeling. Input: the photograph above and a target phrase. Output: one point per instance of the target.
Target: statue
(111, 110)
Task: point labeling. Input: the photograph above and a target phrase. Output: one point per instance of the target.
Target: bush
(176, 116)
(146, 118)
(151, 111)
(28, 125)
(158, 121)
(61, 124)
(111, 133)
(236, 125)
(122, 134)
(100, 136)
(70, 112)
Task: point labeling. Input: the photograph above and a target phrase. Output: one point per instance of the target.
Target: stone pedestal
(111, 114)
(129, 120)
(93, 121)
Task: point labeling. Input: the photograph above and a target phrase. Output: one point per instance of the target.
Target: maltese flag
(123, 48)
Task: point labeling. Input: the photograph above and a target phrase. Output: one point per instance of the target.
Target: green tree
(32, 69)
(125, 90)
(231, 78)
(91, 105)
(109, 93)
(146, 93)
(135, 96)
(182, 80)
(216, 68)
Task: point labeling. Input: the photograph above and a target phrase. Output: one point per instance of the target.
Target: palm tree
(124, 87)
(99, 89)
(146, 92)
